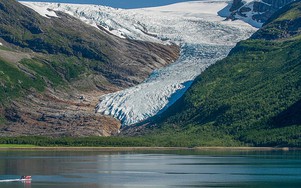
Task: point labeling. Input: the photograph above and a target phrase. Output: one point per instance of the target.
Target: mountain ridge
(251, 97)
(53, 69)
(255, 12)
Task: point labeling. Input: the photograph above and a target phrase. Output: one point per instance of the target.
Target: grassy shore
(5, 147)
(126, 144)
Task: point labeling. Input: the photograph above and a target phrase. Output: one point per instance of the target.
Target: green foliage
(284, 24)
(16, 146)
(252, 96)
(192, 136)
(2, 120)
(43, 70)
(14, 82)
(25, 28)
(285, 136)
(70, 67)
(5, 48)
(58, 68)
(39, 72)
(294, 13)
(176, 140)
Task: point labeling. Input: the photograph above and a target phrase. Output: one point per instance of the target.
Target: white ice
(204, 38)
(42, 10)
(248, 15)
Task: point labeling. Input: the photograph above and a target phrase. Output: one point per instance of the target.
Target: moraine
(196, 27)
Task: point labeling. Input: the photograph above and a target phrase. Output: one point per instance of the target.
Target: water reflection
(27, 184)
(151, 169)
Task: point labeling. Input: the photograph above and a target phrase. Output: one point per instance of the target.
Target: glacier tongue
(162, 88)
(204, 38)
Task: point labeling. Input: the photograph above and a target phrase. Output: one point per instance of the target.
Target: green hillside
(53, 70)
(251, 97)
(90, 48)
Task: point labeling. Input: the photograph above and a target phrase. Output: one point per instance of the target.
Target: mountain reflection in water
(151, 169)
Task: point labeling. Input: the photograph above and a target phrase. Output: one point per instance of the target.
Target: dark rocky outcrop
(236, 5)
(261, 10)
(282, 25)
(11, 114)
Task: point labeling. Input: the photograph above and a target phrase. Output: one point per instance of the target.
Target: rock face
(65, 65)
(66, 35)
(256, 12)
(281, 25)
(54, 114)
(236, 5)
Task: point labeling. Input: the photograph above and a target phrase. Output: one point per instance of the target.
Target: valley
(55, 67)
(199, 73)
(203, 36)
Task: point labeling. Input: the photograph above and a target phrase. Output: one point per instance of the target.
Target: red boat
(25, 179)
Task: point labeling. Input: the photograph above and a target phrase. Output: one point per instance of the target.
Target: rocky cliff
(54, 68)
(256, 12)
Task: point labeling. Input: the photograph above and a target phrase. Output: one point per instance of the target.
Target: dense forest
(253, 95)
(250, 98)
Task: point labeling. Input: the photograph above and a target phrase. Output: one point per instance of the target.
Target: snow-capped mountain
(204, 38)
(255, 12)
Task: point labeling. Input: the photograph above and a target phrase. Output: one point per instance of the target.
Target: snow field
(204, 38)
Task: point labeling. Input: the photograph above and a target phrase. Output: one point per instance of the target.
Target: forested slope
(252, 96)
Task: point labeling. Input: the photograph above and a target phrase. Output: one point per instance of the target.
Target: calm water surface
(151, 169)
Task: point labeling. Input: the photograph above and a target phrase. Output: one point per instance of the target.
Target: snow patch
(42, 10)
(249, 15)
(192, 7)
(204, 38)
(248, 1)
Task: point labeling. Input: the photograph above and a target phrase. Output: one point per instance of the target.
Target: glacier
(203, 36)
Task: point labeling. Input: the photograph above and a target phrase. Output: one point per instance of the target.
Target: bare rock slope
(53, 69)
(256, 12)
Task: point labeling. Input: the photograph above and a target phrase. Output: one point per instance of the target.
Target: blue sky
(119, 3)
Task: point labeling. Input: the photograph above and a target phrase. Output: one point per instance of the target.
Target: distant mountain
(125, 4)
(256, 12)
(208, 39)
(251, 97)
(54, 67)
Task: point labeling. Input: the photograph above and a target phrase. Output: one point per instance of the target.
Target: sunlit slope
(52, 63)
(204, 38)
(254, 94)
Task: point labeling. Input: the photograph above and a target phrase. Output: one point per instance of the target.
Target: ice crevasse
(197, 27)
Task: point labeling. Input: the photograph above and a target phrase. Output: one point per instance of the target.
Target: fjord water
(151, 169)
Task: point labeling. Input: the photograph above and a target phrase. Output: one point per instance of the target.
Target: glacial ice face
(204, 39)
(163, 87)
(203, 36)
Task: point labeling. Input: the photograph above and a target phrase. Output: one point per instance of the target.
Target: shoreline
(118, 149)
